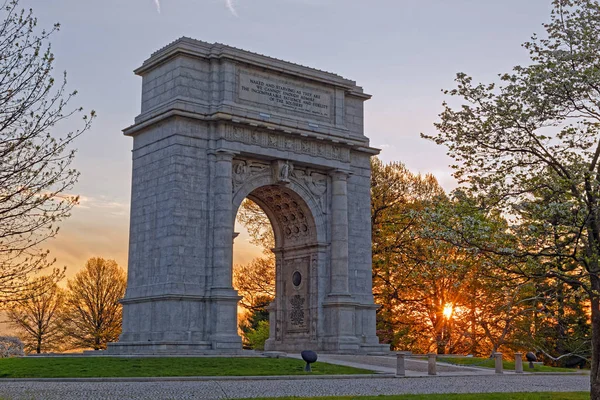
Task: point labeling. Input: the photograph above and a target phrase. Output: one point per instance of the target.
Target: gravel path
(276, 388)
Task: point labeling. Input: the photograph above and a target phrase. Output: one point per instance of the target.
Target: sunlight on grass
(86, 367)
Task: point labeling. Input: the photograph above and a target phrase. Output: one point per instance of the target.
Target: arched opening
(253, 273)
(285, 275)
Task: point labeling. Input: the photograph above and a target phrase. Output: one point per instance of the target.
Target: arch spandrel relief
(282, 172)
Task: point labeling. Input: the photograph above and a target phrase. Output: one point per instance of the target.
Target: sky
(403, 52)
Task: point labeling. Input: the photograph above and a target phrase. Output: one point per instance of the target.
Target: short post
(498, 357)
(431, 364)
(519, 363)
(400, 363)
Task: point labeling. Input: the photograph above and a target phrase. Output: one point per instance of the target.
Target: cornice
(354, 144)
(197, 48)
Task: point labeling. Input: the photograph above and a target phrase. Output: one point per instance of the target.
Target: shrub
(11, 346)
(257, 337)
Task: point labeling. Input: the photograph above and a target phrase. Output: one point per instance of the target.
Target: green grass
(508, 365)
(462, 396)
(88, 367)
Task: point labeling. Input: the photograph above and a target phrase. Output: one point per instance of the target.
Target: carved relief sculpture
(282, 171)
(315, 182)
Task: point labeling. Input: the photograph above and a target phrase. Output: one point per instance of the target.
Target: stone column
(224, 298)
(339, 233)
(223, 221)
(339, 306)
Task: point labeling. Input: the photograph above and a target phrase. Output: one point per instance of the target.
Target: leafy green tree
(257, 337)
(35, 172)
(417, 279)
(395, 194)
(257, 314)
(560, 328)
(528, 146)
(496, 299)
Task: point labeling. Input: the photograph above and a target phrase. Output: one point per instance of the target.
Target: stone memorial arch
(219, 125)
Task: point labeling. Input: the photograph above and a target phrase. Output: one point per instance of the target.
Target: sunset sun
(448, 309)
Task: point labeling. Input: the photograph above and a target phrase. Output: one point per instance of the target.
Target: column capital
(223, 155)
(339, 174)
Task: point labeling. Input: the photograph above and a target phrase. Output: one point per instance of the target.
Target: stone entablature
(286, 141)
(214, 82)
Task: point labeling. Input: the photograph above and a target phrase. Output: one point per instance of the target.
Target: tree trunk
(473, 318)
(440, 336)
(595, 370)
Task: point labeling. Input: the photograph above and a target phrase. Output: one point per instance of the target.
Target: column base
(224, 335)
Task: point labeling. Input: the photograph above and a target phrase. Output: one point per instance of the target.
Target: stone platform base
(174, 348)
(329, 348)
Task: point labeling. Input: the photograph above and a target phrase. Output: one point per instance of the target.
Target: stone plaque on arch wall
(288, 94)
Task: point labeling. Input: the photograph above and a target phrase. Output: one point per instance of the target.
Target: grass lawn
(473, 396)
(508, 365)
(87, 367)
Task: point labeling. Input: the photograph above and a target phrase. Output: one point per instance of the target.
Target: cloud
(102, 204)
(231, 7)
(228, 3)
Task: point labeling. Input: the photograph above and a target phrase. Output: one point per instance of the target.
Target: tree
(434, 288)
(396, 196)
(93, 314)
(258, 336)
(529, 147)
(496, 300)
(559, 329)
(37, 319)
(258, 225)
(35, 173)
(418, 280)
(255, 280)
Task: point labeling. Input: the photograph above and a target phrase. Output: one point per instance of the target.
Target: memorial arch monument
(219, 125)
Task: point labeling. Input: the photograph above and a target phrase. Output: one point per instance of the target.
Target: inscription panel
(283, 93)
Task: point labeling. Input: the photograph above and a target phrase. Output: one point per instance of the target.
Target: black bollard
(309, 357)
(531, 358)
